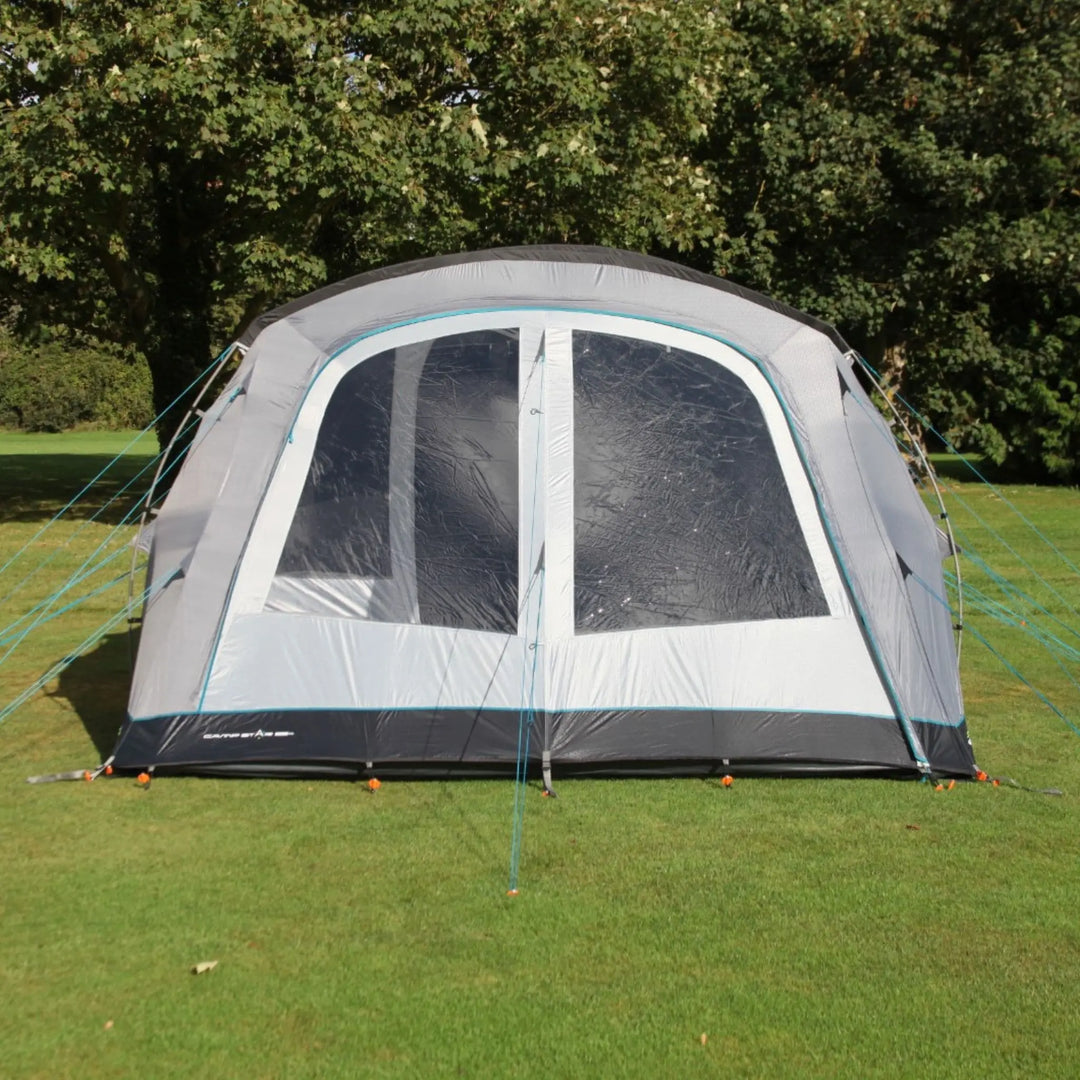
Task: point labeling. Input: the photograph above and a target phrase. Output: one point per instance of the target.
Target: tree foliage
(69, 383)
(909, 171)
(170, 169)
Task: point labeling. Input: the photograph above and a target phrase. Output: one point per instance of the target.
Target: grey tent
(648, 516)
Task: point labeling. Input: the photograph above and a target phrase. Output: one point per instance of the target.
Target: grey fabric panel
(195, 486)
(474, 735)
(176, 531)
(805, 371)
(467, 736)
(344, 317)
(554, 253)
(719, 735)
(945, 544)
(180, 631)
(947, 747)
(915, 538)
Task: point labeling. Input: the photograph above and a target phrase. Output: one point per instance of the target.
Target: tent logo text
(260, 734)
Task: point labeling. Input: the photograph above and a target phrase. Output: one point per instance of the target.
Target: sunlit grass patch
(811, 927)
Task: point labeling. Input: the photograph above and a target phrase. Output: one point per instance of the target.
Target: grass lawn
(821, 928)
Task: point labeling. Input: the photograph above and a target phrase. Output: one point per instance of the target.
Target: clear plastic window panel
(409, 510)
(681, 512)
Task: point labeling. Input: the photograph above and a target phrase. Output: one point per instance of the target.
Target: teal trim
(940, 723)
(599, 708)
(533, 308)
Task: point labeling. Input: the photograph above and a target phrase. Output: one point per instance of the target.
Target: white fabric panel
(813, 665)
(311, 662)
(340, 597)
(559, 492)
(532, 516)
(282, 661)
(531, 507)
(408, 364)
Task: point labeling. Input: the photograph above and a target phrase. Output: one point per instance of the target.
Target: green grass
(42, 472)
(807, 927)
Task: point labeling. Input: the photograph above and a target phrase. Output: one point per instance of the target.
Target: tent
(646, 518)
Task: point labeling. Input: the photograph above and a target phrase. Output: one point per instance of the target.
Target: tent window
(342, 522)
(409, 510)
(681, 512)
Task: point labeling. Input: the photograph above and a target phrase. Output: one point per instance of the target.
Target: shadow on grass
(36, 486)
(96, 685)
(964, 468)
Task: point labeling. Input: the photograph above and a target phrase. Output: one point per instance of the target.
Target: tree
(170, 169)
(911, 172)
(907, 171)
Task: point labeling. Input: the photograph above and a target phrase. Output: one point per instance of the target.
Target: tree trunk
(178, 347)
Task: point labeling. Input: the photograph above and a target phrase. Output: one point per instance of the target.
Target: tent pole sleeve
(917, 448)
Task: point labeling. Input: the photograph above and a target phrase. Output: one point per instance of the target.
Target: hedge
(61, 385)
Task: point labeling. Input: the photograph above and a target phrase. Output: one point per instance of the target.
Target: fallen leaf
(704, 1038)
(915, 827)
(108, 1025)
(203, 967)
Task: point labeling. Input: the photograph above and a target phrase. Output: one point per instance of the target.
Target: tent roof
(565, 253)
